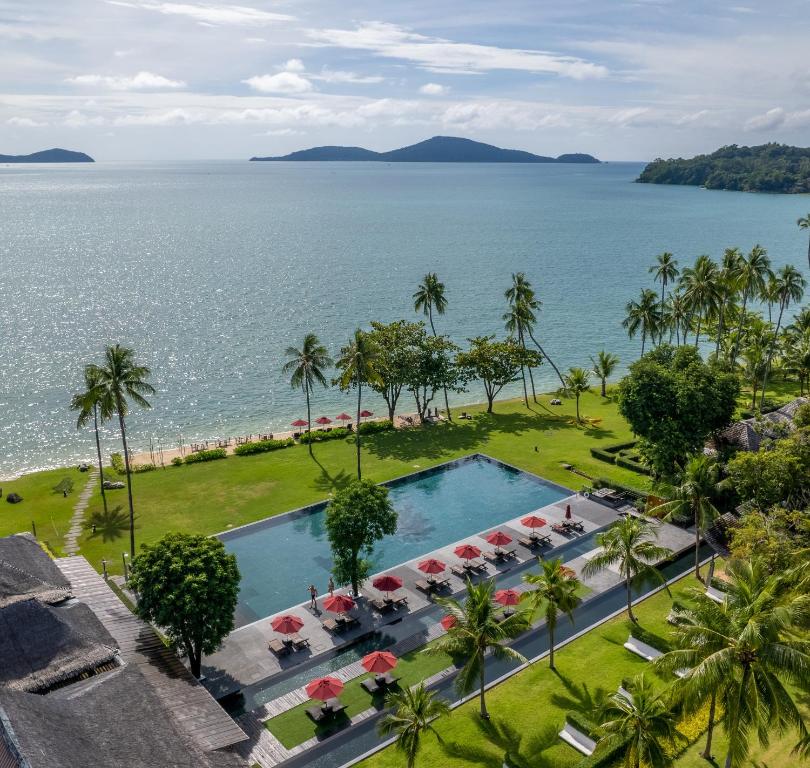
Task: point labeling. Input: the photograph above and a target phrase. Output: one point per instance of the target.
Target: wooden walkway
(192, 706)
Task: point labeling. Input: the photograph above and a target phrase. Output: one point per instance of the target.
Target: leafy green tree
(358, 365)
(554, 591)
(776, 535)
(643, 315)
(577, 382)
(414, 711)
(674, 402)
(429, 296)
(603, 367)
(693, 497)
(431, 368)
(118, 380)
(86, 403)
(629, 543)
(306, 367)
(358, 516)
(479, 628)
(495, 363)
(187, 585)
(804, 223)
(643, 720)
(394, 343)
(665, 270)
(750, 274)
(757, 655)
(789, 285)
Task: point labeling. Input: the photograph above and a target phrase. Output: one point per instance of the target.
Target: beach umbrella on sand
(467, 551)
(344, 417)
(365, 414)
(338, 603)
(299, 423)
(379, 662)
(498, 538)
(449, 621)
(567, 511)
(324, 688)
(387, 583)
(533, 521)
(323, 420)
(431, 565)
(288, 624)
(507, 597)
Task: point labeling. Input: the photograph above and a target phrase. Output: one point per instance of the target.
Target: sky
(148, 80)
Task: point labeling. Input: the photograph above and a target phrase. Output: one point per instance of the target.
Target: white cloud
(771, 119)
(209, 14)
(440, 55)
(24, 122)
(76, 119)
(433, 89)
(293, 65)
(283, 82)
(142, 81)
(342, 76)
(494, 115)
(169, 117)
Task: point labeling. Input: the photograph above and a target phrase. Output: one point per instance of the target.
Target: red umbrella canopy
(507, 596)
(387, 583)
(379, 661)
(338, 603)
(449, 621)
(567, 511)
(287, 624)
(300, 423)
(365, 414)
(323, 420)
(324, 688)
(344, 417)
(498, 538)
(467, 551)
(533, 521)
(431, 565)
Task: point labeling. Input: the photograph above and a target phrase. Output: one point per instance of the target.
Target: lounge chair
(425, 586)
(276, 646)
(379, 683)
(317, 714)
(715, 594)
(642, 649)
(397, 602)
(578, 740)
(528, 542)
(560, 528)
(330, 625)
(381, 606)
(458, 570)
(299, 642)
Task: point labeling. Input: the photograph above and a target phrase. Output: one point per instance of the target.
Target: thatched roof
(747, 435)
(112, 721)
(26, 571)
(43, 647)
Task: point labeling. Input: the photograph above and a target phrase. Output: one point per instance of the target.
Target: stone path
(72, 537)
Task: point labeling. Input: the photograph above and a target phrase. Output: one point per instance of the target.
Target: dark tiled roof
(25, 570)
(745, 437)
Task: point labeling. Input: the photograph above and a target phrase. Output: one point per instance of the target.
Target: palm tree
(630, 544)
(798, 359)
(750, 275)
(693, 497)
(727, 291)
(603, 367)
(118, 380)
(515, 320)
(412, 716)
(306, 367)
(356, 364)
(644, 721)
(479, 628)
(789, 284)
(770, 294)
(804, 223)
(701, 290)
(665, 270)
(429, 296)
(555, 591)
(86, 403)
(642, 315)
(755, 356)
(678, 316)
(576, 383)
(750, 654)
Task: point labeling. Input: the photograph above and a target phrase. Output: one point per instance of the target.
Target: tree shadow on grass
(580, 698)
(328, 482)
(108, 526)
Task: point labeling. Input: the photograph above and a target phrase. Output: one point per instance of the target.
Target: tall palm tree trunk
(309, 420)
(771, 350)
(697, 551)
(697, 332)
(543, 353)
(484, 711)
(129, 485)
(550, 625)
(100, 463)
(707, 751)
(578, 419)
(522, 339)
(663, 304)
(735, 715)
(719, 331)
(357, 430)
(643, 341)
(433, 328)
(739, 328)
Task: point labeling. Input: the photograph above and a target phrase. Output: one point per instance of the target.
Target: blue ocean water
(434, 508)
(211, 269)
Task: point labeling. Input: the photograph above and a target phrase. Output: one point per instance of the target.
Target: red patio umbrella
(507, 597)
(365, 414)
(344, 417)
(498, 538)
(324, 688)
(449, 621)
(299, 423)
(323, 420)
(338, 603)
(379, 662)
(387, 583)
(467, 551)
(533, 521)
(288, 624)
(567, 511)
(431, 565)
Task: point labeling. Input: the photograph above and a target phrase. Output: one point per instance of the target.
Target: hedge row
(321, 435)
(262, 446)
(117, 463)
(633, 465)
(370, 427)
(210, 455)
(612, 454)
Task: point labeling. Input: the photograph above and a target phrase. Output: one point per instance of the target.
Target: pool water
(280, 557)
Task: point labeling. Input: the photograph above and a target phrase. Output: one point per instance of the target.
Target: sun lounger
(381, 606)
(299, 642)
(576, 525)
(334, 706)
(325, 711)
(715, 594)
(528, 542)
(317, 714)
(425, 586)
(277, 647)
(559, 528)
(578, 740)
(371, 686)
(397, 602)
(642, 649)
(330, 625)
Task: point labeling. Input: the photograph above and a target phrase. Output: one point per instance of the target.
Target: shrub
(211, 455)
(632, 464)
(262, 446)
(580, 722)
(603, 455)
(140, 468)
(320, 435)
(117, 463)
(371, 427)
(177, 461)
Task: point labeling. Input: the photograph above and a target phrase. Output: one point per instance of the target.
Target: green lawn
(211, 497)
(294, 726)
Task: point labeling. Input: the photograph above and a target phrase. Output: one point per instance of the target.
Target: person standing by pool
(331, 587)
(313, 597)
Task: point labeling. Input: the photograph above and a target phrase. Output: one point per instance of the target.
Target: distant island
(766, 168)
(49, 156)
(439, 149)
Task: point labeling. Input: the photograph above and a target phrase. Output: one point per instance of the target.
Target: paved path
(76, 522)
(192, 706)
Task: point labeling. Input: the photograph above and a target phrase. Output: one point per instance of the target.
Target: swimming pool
(279, 557)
